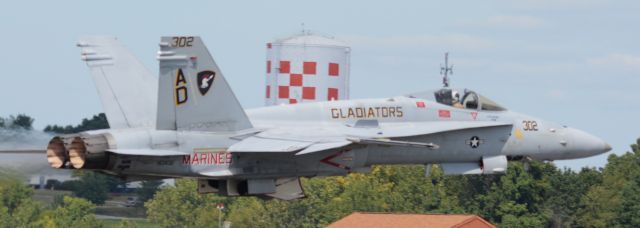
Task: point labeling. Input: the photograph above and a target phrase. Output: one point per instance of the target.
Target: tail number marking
(181, 94)
(529, 125)
(182, 41)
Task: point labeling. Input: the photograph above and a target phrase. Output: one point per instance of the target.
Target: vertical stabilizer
(193, 94)
(126, 88)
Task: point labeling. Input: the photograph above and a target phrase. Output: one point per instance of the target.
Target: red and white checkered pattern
(301, 86)
(299, 73)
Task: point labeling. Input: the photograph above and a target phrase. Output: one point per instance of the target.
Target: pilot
(455, 96)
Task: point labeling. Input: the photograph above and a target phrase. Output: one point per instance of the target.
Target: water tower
(306, 68)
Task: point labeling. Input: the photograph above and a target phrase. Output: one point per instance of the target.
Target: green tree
(17, 209)
(247, 212)
(183, 206)
(516, 199)
(628, 213)
(125, 223)
(13, 191)
(413, 192)
(113, 182)
(74, 212)
(92, 186)
(564, 197)
(21, 121)
(148, 189)
(614, 201)
(98, 121)
(28, 213)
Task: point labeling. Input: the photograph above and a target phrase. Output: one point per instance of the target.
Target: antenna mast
(446, 70)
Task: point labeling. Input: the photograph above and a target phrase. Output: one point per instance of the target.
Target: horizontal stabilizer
(145, 152)
(23, 151)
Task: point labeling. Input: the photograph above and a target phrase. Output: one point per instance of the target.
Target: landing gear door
(288, 189)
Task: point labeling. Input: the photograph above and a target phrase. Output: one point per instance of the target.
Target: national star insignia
(475, 142)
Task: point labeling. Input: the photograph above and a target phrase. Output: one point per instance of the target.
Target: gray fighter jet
(188, 124)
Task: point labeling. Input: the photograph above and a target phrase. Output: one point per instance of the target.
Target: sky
(575, 62)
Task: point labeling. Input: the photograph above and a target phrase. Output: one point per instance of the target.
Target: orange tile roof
(380, 220)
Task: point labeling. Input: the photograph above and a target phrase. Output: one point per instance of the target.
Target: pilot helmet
(455, 96)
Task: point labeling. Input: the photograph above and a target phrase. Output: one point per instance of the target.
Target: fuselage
(522, 137)
(529, 136)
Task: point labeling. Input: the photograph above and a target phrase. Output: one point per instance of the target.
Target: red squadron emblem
(205, 81)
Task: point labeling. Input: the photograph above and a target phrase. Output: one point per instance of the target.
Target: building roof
(309, 39)
(379, 220)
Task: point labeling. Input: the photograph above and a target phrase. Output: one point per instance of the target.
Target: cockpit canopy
(460, 98)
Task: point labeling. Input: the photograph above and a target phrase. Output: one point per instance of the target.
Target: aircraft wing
(397, 130)
(146, 152)
(309, 140)
(23, 151)
(291, 140)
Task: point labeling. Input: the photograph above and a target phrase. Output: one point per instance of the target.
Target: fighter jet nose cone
(586, 145)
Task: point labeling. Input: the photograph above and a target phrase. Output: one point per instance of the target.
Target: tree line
(98, 121)
(19, 209)
(18, 122)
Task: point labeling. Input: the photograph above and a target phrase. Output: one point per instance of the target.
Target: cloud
(515, 21)
(617, 60)
(556, 94)
(553, 4)
(439, 42)
(505, 21)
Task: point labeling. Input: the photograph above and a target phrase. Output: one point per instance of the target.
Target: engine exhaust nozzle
(77, 153)
(56, 153)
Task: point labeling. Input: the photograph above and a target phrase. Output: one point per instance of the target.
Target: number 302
(182, 41)
(529, 125)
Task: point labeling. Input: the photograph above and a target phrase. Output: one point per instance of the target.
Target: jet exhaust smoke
(20, 139)
(24, 151)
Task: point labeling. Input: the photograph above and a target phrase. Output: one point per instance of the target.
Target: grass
(129, 212)
(142, 223)
(47, 196)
